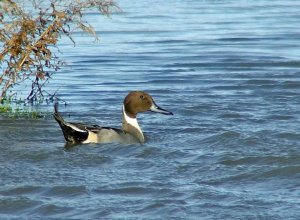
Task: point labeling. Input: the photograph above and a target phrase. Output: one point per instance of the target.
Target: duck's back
(109, 135)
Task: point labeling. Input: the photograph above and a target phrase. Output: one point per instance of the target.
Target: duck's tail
(71, 132)
(57, 116)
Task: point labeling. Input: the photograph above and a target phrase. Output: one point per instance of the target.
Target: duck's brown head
(139, 101)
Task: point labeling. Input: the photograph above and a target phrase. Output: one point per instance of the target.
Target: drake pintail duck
(134, 103)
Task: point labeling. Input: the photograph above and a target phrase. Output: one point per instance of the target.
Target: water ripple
(228, 70)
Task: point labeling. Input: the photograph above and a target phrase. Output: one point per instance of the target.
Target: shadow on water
(71, 146)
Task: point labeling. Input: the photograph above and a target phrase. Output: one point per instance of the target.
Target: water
(229, 71)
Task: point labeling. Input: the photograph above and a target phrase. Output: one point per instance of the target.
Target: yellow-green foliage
(19, 110)
(5, 108)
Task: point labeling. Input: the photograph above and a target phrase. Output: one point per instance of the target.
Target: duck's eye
(142, 97)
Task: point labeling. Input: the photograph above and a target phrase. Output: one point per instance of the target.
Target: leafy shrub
(29, 34)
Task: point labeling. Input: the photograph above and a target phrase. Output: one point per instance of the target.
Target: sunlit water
(229, 71)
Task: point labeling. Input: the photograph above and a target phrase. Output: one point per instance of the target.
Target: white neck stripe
(132, 121)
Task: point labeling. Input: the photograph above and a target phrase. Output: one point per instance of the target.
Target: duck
(130, 133)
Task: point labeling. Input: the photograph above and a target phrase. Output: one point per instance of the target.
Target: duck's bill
(157, 109)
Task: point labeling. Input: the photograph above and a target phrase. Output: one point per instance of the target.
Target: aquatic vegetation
(26, 113)
(29, 33)
(5, 108)
(13, 108)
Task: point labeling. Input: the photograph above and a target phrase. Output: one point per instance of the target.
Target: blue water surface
(228, 70)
